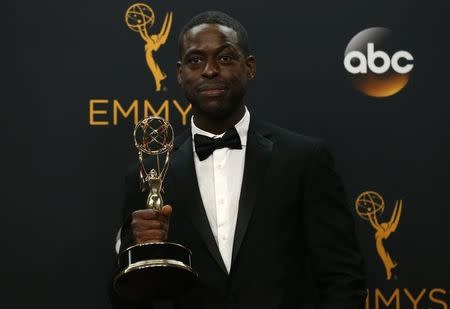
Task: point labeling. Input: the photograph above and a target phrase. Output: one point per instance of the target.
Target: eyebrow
(217, 50)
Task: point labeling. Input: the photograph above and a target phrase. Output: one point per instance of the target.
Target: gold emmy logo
(369, 206)
(140, 18)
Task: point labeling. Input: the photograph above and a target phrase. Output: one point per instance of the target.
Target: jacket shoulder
(291, 140)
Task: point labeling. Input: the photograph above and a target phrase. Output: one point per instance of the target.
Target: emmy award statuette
(154, 269)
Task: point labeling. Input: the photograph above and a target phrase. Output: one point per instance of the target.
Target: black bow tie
(204, 145)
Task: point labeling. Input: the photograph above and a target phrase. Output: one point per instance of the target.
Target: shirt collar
(241, 128)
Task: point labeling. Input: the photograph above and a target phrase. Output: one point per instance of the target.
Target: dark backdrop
(63, 177)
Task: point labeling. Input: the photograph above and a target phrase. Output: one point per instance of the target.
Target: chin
(217, 108)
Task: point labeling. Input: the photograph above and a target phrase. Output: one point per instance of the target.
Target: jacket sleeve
(133, 200)
(330, 235)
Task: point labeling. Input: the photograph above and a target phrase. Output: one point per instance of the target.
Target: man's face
(213, 70)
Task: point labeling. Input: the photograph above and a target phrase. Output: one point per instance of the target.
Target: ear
(179, 77)
(250, 62)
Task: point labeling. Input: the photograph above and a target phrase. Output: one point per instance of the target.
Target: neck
(218, 126)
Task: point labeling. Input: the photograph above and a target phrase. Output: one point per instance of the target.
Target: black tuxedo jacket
(294, 245)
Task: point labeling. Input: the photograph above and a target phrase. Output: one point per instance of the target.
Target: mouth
(211, 90)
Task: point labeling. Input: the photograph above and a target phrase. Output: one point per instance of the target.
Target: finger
(150, 235)
(146, 214)
(166, 211)
(143, 225)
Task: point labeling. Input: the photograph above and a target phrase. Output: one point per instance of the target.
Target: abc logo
(372, 55)
(376, 67)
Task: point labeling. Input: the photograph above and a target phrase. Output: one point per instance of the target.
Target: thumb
(166, 211)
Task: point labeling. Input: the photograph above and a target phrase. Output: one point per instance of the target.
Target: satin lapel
(183, 170)
(257, 159)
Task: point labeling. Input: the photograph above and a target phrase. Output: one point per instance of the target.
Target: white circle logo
(376, 67)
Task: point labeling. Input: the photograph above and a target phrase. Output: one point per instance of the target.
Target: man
(262, 210)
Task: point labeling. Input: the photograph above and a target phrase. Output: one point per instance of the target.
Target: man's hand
(149, 225)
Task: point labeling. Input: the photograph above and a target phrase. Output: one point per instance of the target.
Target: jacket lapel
(257, 158)
(183, 171)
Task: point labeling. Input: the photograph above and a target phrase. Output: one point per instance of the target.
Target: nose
(211, 69)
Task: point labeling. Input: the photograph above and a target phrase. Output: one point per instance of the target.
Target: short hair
(216, 17)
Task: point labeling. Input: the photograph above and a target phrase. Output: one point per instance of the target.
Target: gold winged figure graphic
(383, 231)
(140, 16)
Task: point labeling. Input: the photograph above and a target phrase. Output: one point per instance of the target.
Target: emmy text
(407, 298)
(104, 112)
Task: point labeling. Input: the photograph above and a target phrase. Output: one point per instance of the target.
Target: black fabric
(294, 243)
(205, 146)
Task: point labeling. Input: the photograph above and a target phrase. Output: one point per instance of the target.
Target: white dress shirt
(220, 180)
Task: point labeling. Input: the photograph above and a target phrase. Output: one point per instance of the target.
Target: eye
(194, 60)
(225, 59)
